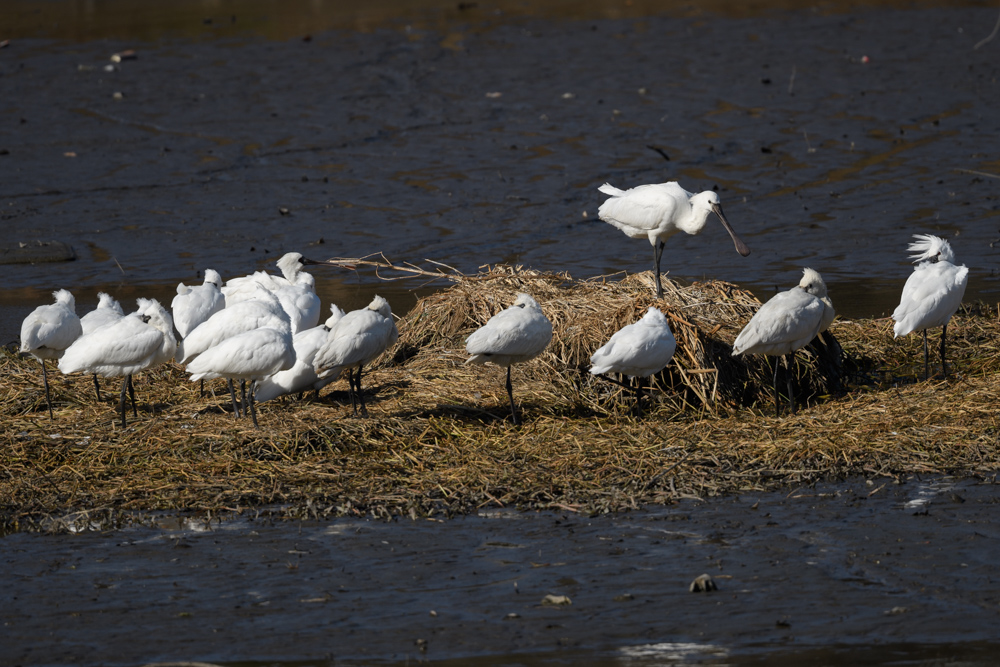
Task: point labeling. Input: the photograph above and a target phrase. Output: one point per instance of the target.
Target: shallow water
(840, 574)
(480, 136)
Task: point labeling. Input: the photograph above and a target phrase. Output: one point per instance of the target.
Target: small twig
(977, 173)
(659, 150)
(385, 264)
(988, 37)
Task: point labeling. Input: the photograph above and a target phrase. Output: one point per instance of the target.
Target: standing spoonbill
(295, 288)
(302, 376)
(48, 330)
(355, 340)
(194, 305)
(519, 333)
(136, 342)
(108, 310)
(932, 293)
(657, 211)
(788, 321)
(637, 350)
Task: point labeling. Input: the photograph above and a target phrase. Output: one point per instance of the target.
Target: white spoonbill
(48, 330)
(249, 356)
(302, 376)
(108, 310)
(517, 334)
(355, 340)
(136, 342)
(637, 350)
(788, 321)
(264, 310)
(932, 293)
(657, 211)
(295, 288)
(195, 304)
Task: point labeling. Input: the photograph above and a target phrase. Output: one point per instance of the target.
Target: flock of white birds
(264, 329)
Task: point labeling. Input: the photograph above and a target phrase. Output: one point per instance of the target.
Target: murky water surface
(480, 135)
(864, 572)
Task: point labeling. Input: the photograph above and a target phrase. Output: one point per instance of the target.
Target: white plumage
(264, 310)
(139, 341)
(48, 330)
(932, 293)
(295, 289)
(354, 341)
(302, 376)
(788, 321)
(194, 305)
(658, 211)
(517, 334)
(108, 310)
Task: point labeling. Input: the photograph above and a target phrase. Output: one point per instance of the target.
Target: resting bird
(194, 305)
(517, 334)
(788, 321)
(108, 310)
(48, 330)
(355, 340)
(302, 376)
(658, 211)
(295, 289)
(932, 293)
(136, 342)
(637, 350)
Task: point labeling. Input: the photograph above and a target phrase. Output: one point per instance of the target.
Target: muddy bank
(836, 574)
(483, 139)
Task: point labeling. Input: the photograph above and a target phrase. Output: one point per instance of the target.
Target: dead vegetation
(438, 442)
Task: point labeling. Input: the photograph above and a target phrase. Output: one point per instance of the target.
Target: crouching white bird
(932, 293)
(108, 310)
(48, 330)
(295, 289)
(137, 342)
(517, 334)
(302, 376)
(788, 321)
(194, 305)
(637, 350)
(355, 340)
(657, 211)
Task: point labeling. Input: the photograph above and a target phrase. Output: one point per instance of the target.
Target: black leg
(121, 400)
(45, 381)
(253, 408)
(789, 368)
(361, 396)
(944, 366)
(777, 406)
(131, 394)
(243, 397)
(201, 389)
(510, 395)
(97, 388)
(927, 372)
(638, 397)
(232, 395)
(350, 390)
(657, 254)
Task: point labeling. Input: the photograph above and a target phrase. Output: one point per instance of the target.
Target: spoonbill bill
(134, 343)
(517, 334)
(788, 321)
(302, 376)
(932, 293)
(637, 350)
(108, 310)
(657, 211)
(48, 330)
(355, 340)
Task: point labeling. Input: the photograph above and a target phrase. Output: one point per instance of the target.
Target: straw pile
(438, 442)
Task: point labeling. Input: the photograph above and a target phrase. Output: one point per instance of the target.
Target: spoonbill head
(789, 320)
(657, 211)
(48, 330)
(932, 293)
(517, 334)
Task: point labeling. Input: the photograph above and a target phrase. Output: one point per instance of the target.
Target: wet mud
(861, 572)
(481, 137)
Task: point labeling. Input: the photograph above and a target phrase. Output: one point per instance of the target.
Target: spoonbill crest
(932, 293)
(136, 342)
(517, 334)
(658, 211)
(355, 340)
(637, 350)
(788, 321)
(48, 330)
